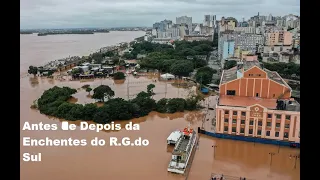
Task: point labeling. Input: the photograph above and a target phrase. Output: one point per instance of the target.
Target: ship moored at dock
(182, 151)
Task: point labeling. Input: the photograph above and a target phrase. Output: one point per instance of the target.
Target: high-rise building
(210, 20)
(278, 38)
(185, 20)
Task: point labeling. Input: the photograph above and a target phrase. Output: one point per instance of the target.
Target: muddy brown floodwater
(233, 158)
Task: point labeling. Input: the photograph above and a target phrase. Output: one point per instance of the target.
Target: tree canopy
(119, 76)
(182, 68)
(33, 70)
(54, 102)
(286, 70)
(230, 64)
(164, 57)
(204, 75)
(101, 92)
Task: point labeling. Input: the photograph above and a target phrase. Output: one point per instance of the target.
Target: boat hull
(183, 169)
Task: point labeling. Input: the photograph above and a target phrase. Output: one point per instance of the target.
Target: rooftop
(231, 74)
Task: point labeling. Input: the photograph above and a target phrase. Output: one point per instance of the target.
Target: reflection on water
(34, 81)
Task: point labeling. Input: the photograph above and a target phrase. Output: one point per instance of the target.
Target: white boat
(174, 137)
(182, 151)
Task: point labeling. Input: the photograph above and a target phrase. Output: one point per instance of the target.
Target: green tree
(230, 64)
(115, 59)
(204, 75)
(145, 104)
(89, 89)
(101, 92)
(119, 76)
(161, 105)
(182, 68)
(175, 105)
(85, 86)
(33, 70)
(150, 88)
(102, 115)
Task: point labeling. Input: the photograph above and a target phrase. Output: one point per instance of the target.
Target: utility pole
(128, 88)
(295, 159)
(271, 154)
(214, 150)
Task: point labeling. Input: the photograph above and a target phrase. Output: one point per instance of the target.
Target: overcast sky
(125, 13)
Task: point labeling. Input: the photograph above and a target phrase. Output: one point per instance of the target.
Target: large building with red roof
(257, 102)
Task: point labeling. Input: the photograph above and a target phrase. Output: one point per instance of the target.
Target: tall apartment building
(278, 38)
(222, 39)
(256, 102)
(246, 30)
(185, 20)
(249, 42)
(228, 49)
(162, 25)
(210, 21)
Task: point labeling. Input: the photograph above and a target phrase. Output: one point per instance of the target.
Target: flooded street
(234, 158)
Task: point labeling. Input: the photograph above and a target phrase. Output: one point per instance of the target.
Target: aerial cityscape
(217, 99)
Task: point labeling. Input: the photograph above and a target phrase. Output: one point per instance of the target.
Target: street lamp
(214, 150)
(271, 154)
(295, 159)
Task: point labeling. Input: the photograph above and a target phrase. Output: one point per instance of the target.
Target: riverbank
(47, 51)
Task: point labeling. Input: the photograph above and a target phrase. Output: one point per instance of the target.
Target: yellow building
(243, 54)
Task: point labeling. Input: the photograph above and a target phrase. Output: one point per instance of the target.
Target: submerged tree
(150, 88)
(33, 70)
(89, 89)
(101, 92)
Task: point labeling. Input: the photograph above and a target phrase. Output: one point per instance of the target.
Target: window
(250, 74)
(287, 126)
(268, 133)
(251, 122)
(234, 121)
(226, 112)
(260, 123)
(226, 120)
(269, 124)
(234, 129)
(259, 75)
(288, 117)
(243, 121)
(278, 116)
(274, 95)
(259, 132)
(226, 128)
(243, 113)
(257, 94)
(235, 113)
(277, 125)
(250, 131)
(231, 92)
(242, 130)
(286, 135)
(269, 115)
(277, 134)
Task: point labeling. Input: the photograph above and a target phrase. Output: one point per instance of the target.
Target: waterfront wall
(250, 139)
